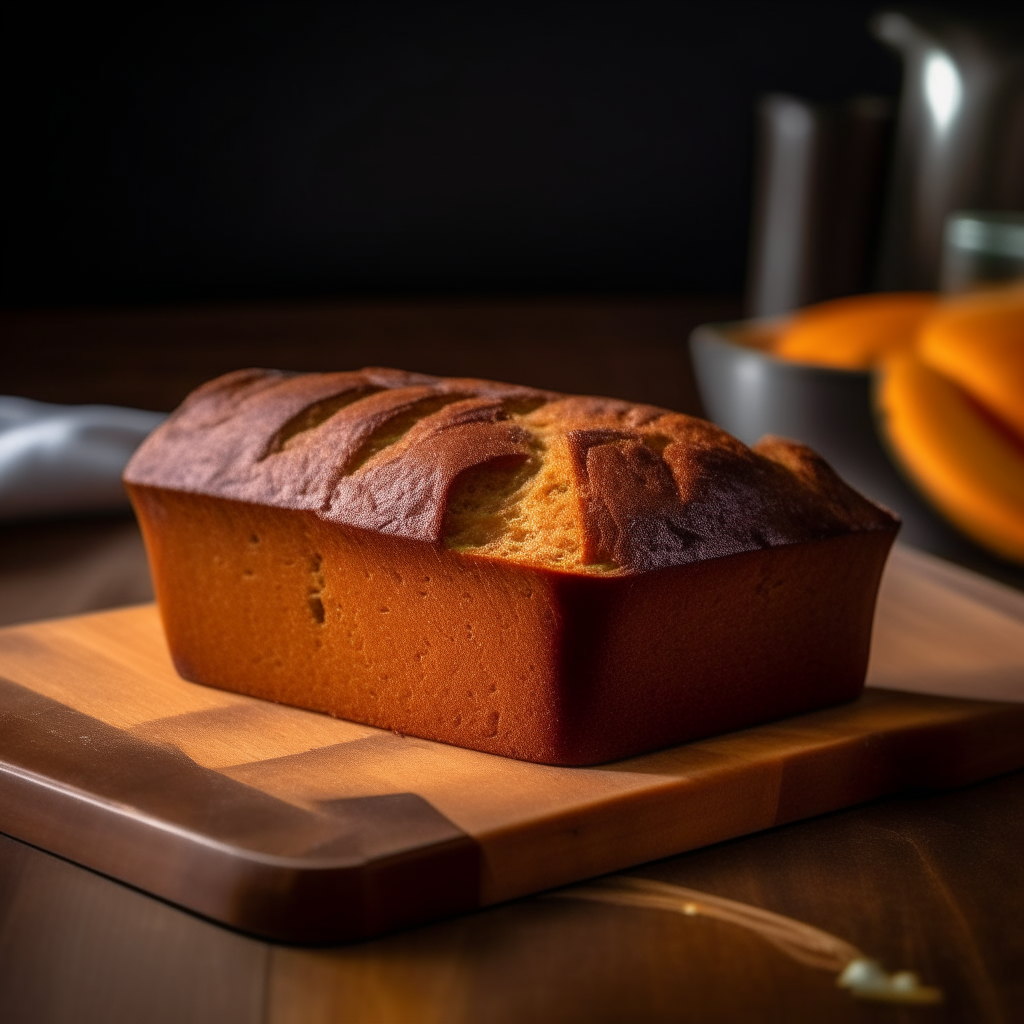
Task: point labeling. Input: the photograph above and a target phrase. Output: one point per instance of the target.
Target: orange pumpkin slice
(978, 342)
(970, 466)
(855, 332)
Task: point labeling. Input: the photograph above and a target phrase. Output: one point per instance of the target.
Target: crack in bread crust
(578, 484)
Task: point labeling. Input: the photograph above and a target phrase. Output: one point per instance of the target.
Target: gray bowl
(751, 393)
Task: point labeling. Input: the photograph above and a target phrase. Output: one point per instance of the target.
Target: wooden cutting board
(298, 827)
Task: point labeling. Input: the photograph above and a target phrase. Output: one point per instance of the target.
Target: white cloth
(65, 459)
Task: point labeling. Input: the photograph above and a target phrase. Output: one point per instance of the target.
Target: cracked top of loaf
(581, 484)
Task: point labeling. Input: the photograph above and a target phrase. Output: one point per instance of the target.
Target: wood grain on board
(928, 883)
(271, 818)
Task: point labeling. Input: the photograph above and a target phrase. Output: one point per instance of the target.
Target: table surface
(929, 882)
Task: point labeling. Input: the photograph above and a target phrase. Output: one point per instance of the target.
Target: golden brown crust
(382, 450)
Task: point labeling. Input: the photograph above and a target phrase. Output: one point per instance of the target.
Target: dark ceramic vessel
(750, 393)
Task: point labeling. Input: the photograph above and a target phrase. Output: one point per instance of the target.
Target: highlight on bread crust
(570, 483)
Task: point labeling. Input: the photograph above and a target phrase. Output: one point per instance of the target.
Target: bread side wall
(559, 668)
(390, 632)
(663, 657)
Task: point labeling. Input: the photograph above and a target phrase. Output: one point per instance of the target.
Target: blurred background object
(855, 332)
(982, 247)
(960, 135)
(819, 180)
(65, 459)
(840, 206)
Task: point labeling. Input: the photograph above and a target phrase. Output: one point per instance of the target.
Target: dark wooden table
(631, 348)
(928, 882)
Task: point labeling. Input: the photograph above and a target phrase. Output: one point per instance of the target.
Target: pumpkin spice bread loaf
(553, 578)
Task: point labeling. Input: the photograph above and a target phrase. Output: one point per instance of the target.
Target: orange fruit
(853, 333)
(978, 342)
(967, 463)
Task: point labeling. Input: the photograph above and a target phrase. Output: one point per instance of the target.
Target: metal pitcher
(960, 135)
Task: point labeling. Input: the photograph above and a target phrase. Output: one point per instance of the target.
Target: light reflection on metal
(943, 89)
(960, 135)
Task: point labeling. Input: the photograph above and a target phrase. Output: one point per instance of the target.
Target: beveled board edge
(83, 790)
(92, 794)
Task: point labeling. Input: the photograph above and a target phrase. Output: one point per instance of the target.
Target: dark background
(166, 154)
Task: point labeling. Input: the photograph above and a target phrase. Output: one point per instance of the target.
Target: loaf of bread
(560, 579)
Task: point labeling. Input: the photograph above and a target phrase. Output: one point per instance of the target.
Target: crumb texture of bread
(584, 485)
